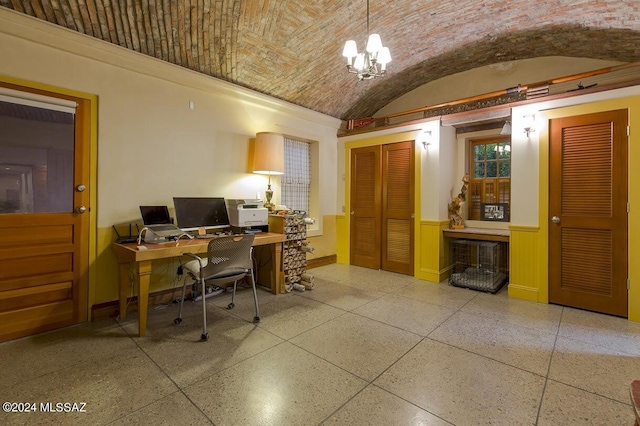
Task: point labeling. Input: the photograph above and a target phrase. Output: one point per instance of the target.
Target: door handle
(555, 219)
(353, 213)
(81, 209)
(80, 188)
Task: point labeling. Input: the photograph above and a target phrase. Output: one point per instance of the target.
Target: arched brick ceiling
(291, 49)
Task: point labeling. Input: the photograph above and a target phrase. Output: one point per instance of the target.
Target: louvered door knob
(555, 219)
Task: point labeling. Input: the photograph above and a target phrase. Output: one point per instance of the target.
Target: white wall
(525, 159)
(450, 182)
(437, 175)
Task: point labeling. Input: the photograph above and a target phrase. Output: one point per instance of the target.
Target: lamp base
(268, 195)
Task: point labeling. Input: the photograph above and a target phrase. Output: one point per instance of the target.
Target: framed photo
(497, 212)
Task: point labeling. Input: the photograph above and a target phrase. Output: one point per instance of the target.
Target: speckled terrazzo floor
(364, 347)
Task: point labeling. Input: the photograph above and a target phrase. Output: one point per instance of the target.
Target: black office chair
(228, 260)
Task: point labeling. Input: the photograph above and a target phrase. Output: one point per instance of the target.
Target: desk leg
(277, 268)
(123, 279)
(144, 272)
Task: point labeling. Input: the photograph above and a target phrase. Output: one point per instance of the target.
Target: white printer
(246, 213)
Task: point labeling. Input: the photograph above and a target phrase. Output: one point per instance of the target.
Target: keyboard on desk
(206, 236)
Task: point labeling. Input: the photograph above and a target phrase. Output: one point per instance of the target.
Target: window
(490, 174)
(37, 151)
(296, 181)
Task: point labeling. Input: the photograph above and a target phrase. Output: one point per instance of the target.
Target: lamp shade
(384, 57)
(350, 49)
(359, 62)
(268, 154)
(374, 43)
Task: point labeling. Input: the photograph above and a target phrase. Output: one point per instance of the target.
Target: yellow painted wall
(342, 239)
(525, 264)
(435, 258)
(324, 245)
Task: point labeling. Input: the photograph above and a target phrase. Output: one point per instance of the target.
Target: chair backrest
(229, 253)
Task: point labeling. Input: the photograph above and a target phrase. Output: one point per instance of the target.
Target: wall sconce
(506, 129)
(529, 122)
(426, 139)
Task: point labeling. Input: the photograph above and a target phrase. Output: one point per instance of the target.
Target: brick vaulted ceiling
(291, 49)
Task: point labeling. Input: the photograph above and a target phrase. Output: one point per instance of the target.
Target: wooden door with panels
(44, 202)
(382, 203)
(397, 207)
(588, 212)
(366, 207)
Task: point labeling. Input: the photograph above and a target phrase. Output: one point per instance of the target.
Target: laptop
(158, 221)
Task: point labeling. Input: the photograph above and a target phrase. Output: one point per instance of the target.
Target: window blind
(37, 101)
(296, 180)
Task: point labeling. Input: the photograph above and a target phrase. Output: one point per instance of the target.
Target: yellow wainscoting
(435, 259)
(342, 239)
(106, 283)
(527, 269)
(323, 244)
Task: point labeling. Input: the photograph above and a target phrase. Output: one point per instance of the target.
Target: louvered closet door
(587, 212)
(397, 207)
(365, 207)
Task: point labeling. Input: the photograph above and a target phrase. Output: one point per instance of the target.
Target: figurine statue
(455, 219)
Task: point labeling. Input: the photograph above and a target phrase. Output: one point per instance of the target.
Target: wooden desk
(478, 234)
(127, 253)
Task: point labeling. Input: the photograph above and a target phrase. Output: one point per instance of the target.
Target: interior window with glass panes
(490, 174)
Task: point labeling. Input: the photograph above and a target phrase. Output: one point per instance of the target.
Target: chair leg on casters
(256, 319)
(179, 319)
(205, 335)
(233, 296)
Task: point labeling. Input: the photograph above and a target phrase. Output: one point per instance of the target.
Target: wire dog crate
(479, 265)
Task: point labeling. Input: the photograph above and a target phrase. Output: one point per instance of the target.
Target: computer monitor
(193, 213)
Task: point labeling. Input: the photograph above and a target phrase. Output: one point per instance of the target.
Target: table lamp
(268, 159)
